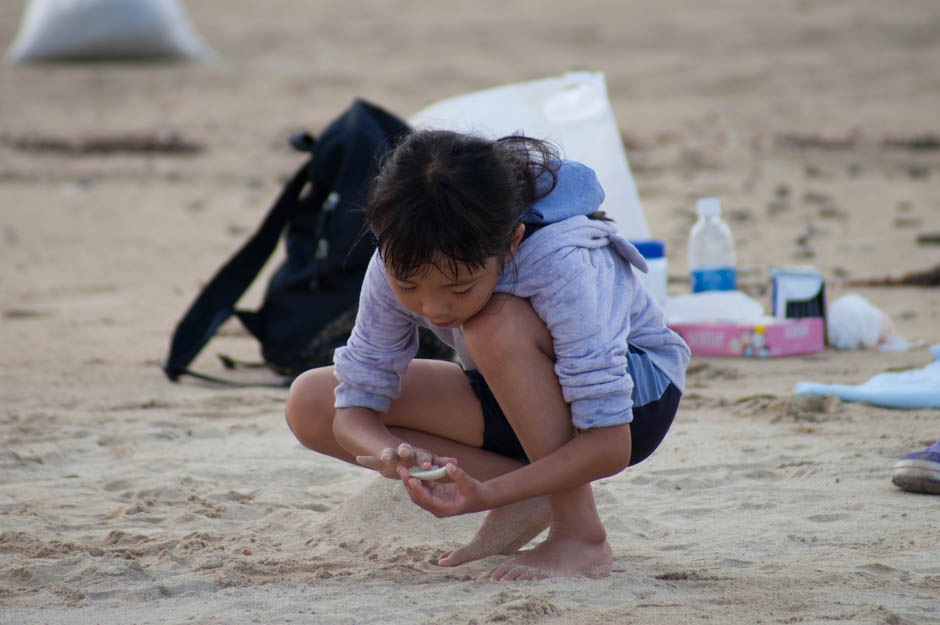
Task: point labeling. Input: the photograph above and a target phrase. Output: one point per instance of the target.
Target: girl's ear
(515, 239)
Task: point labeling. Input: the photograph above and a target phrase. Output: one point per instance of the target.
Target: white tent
(573, 112)
(75, 30)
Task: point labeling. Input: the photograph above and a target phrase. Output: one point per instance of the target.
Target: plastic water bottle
(711, 250)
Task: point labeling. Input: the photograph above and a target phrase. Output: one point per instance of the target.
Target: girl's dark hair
(448, 199)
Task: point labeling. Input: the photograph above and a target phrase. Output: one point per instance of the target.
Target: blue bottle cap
(650, 249)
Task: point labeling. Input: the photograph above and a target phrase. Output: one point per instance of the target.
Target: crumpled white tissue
(726, 306)
(854, 323)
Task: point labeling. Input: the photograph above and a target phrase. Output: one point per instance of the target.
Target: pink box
(778, 337)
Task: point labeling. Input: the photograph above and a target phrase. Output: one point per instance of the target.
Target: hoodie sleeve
(382, 343)
(586, 310)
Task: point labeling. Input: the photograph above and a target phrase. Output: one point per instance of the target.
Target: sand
(127, 499)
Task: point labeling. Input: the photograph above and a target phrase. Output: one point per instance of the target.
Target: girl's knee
(506, 326)
(309, 406)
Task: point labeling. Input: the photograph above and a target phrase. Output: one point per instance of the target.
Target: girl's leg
(513, 349)
(417, 417)
(427, 386)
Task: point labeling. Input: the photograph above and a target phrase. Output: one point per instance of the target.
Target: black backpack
(310, 304)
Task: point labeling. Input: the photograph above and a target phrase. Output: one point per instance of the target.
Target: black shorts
(650, 423)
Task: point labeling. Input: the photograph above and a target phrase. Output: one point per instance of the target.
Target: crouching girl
(567, 371)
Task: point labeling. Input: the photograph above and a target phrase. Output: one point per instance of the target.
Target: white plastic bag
(573, 112)
(104, 29)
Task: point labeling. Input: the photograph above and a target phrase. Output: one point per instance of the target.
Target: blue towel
(915, 388)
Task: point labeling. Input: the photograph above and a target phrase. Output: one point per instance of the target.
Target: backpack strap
(285, 383)
(216, 303)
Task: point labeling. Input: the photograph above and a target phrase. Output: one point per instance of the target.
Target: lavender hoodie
(576, 274)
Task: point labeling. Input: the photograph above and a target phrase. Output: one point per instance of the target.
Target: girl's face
(446, 300)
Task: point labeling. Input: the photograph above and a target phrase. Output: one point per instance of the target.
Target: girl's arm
(382, 343)
(591, 455)
(361, 432)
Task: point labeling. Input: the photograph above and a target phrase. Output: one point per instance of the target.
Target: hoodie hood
(563, 213)
(577, 192)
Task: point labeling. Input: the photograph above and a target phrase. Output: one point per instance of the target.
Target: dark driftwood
(928, 278)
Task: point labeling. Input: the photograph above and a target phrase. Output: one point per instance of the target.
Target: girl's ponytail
(535, 162)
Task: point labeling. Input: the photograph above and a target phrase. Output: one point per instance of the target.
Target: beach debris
(814, 171)
(740, 215)
(803, 244)
(815, 197)
(817, 141)
(927, 278)
(907, 222)
(920, 142)
(776, 207)
(917, 143)
(22, 313)
(830, 211)
(162, 142)
(686, 576)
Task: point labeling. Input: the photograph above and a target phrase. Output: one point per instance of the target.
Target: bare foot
(558, 556)
(504, 531)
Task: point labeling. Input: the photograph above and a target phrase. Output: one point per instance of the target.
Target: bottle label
(720, 279)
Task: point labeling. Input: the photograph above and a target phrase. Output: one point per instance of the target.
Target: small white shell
(434, 473)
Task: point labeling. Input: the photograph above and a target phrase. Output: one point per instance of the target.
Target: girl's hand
(391, 459)
(462, 495)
